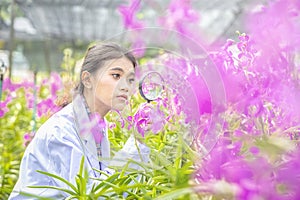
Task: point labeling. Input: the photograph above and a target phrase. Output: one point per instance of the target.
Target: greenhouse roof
(76, 19)
(99, 19)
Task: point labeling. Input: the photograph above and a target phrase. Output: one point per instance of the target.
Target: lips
(123, 96)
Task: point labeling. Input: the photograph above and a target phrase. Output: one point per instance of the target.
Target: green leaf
(103, 184)
(175, 193)
(59, 178)
(35, 196)
(81, 166)
(55, 188)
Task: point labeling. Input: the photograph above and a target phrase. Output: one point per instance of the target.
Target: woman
(106, 82)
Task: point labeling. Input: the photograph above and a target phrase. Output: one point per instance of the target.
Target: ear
(86, 79)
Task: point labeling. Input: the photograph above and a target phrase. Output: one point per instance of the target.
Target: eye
(131, 80)
(116, 76)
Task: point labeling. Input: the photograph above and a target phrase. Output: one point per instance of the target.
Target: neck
(96, 107)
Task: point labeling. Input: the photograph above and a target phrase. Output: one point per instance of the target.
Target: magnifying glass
(151, 86)
(149, 117)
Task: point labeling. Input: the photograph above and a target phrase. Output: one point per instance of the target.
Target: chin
(119, 107)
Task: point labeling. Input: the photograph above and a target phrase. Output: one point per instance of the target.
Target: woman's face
(113, 84)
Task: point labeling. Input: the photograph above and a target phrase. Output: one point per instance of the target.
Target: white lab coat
(58, 147)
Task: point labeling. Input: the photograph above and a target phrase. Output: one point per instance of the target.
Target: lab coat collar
(84, 125)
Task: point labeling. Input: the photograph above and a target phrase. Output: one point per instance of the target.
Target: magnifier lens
(152, 86)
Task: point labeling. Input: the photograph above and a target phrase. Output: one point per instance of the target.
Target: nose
(124, 85)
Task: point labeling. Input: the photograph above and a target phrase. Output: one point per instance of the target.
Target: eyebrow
(121, 70)
(118, 69)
